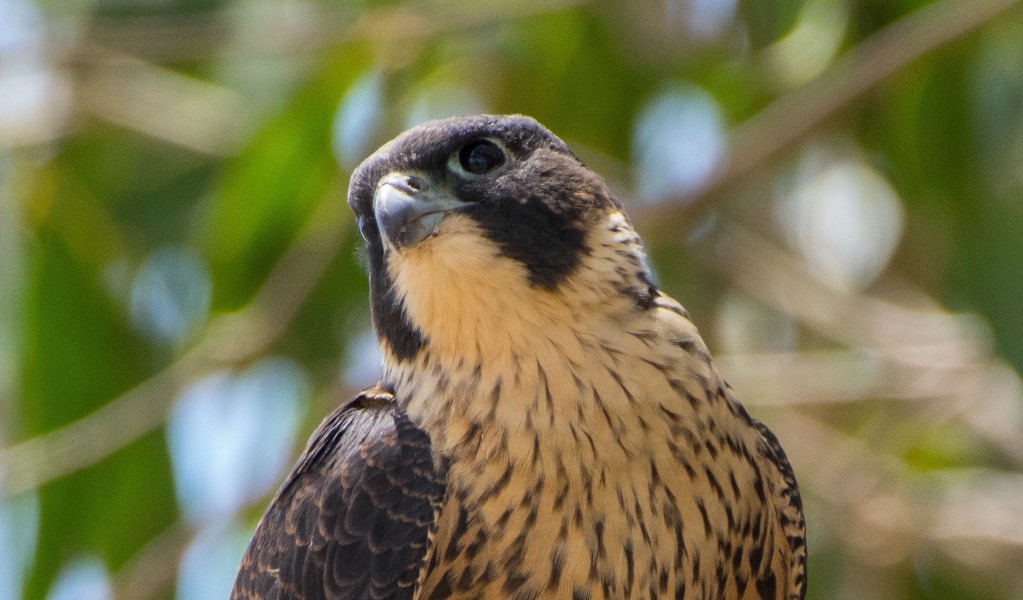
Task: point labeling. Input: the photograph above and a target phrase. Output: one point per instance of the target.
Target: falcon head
(488, 226)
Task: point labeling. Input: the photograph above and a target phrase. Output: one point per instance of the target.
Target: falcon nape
(549, 424)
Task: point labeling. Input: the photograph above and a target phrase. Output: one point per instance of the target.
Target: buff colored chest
(593, 451)
(621, 469)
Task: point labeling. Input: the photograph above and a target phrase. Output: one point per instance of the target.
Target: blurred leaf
(768, 21)
(79, 354)
(947, 447)
(317, 336)
(268, 191)
(149, 190)
(579, 61)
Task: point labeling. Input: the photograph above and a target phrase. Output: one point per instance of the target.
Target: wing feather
(354, 518)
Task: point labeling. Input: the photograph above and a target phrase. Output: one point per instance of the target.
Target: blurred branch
(147, 574)
(832, 377)
(227, 340)
(915, 337)
(997, 510)
(169, 106)
(898, 352)
(293, 27)
(791, 117)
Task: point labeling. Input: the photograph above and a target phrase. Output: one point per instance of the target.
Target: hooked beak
(408, 209)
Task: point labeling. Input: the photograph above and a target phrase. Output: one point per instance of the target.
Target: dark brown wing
(790, 509)
(355, 516)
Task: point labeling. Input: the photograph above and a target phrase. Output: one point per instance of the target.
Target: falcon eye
(480, 156)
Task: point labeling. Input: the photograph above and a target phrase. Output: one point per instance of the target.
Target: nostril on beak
(414, 183)
(408, 184)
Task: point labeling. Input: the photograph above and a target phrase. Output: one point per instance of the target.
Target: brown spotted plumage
(553, 426)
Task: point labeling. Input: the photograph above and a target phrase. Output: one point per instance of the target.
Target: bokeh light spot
(231, 436)
(678, 142)
(170, 295)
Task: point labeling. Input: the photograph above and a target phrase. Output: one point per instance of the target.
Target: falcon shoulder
(355, 517)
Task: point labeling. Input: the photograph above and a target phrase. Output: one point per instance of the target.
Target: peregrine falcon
(549, 424)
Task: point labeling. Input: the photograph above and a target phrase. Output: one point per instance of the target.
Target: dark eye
(480, 157)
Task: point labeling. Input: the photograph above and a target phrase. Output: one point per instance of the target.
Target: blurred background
(834, 188)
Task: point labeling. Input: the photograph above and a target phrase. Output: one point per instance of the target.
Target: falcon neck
(506, 356)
